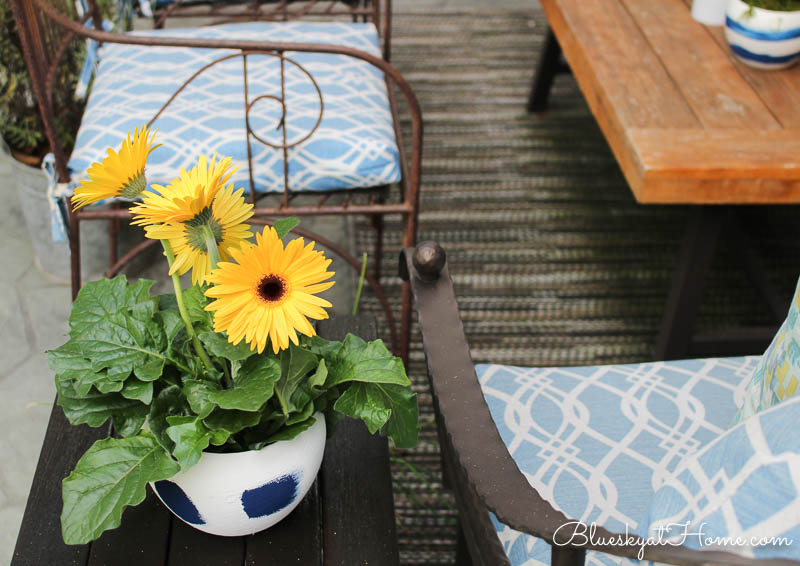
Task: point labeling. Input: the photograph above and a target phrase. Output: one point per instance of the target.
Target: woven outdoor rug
(553, 261)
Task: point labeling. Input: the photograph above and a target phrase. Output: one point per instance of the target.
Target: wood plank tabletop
(347, 518)
(687, 122)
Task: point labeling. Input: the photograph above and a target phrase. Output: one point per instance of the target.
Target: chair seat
(580, 434)
(353, 147)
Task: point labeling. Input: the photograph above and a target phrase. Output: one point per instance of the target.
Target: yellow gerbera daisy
(190, 206)
(269, 292)
(185, 196)
(118, 174)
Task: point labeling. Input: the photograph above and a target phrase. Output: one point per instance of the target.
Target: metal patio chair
(533, 455)
(308, 108)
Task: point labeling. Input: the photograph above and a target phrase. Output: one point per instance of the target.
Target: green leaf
(357, 360)
(98, 300)
(301, 415)
(365, 403)
(391, 408)
(195, 302)
(254, 384)
(138, 390)
(296, 364)
(112, 327)
(312, 388)
(320, 376)
(169, 402)
(172, 324)
(286, 433)
(219, 437)
(104, 386)
(218, 345)
(196, 391)
(150, 371)
(70, 364)
(190, 436)
(119, 343)
(285, 225)
(231, 421)
(144, 311)
(109, 477)
(95, 408)
(129, 425)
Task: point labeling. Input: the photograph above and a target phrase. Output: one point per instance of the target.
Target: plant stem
(176, 284)
(360, 283)
(211, 246)
(227, 380)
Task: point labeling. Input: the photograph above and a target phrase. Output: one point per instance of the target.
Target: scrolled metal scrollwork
(282, 101)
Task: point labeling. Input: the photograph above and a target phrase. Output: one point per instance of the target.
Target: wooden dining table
(688, 124)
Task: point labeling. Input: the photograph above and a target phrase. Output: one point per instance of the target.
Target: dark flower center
(271, 288)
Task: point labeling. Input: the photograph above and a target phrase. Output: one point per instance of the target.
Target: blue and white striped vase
(765, 39)
(245, 492)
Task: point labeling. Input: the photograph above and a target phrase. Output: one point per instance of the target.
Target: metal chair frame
(47, 28)
(476, 462)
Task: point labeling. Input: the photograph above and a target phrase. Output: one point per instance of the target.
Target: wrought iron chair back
(47, 27)
(378, 12)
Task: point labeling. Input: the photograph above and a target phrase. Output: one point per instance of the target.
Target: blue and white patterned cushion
(353, 147)
(742, 492)
(597, 442)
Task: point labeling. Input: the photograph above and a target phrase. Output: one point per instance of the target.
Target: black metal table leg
(689, 282)
(549, 66)
(774, 300)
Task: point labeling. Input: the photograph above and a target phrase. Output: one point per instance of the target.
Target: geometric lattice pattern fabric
(778, 375)
(353, 147)
(744, 488)
(597, 442)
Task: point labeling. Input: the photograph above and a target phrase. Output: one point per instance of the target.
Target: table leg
(689, 281)
(775, 301)
(549, 66)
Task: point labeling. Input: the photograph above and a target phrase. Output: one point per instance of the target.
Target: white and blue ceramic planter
(766, 39)
(245, 492)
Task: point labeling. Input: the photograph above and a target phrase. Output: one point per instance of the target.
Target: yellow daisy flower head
(196, 203)
(185, 196)
(270, 292)
(118, 174)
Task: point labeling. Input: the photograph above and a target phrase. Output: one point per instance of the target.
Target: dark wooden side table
(347, 518)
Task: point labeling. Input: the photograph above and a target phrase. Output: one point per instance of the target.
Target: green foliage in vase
(779, 5)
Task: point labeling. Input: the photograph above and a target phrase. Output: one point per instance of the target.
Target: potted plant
(220, 394)
(764, 33)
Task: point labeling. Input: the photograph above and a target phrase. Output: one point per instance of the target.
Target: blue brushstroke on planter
(760, 57)
(764, 35)
(270, 497)
(180, 504)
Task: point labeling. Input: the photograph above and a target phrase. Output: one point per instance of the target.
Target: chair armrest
(480, 455)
